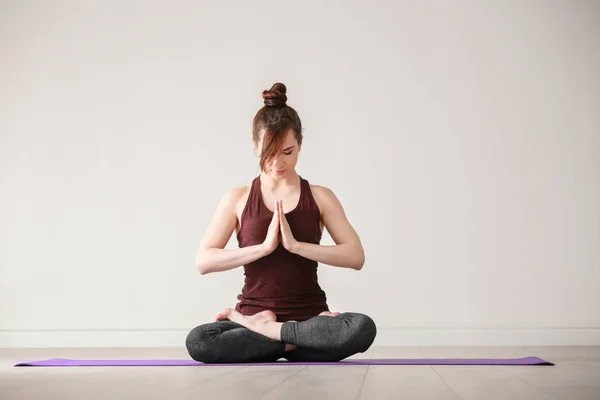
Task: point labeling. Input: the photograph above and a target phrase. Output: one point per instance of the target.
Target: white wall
(461, 137)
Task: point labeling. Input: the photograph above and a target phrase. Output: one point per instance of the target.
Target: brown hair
(276, 118)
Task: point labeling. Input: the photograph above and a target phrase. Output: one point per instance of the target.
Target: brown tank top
(282, 282)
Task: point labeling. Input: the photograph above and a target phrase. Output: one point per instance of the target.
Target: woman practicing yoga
(279, 218)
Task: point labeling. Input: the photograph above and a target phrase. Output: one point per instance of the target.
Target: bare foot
(249, 321)
(223, 315)
(330, 314)
(264, 322)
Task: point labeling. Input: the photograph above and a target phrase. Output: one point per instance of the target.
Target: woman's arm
(217, 260)
(348, 251)
(211, 255)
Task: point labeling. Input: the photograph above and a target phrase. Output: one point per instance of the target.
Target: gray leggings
(321, 338)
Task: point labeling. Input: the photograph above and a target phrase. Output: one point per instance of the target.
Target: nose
(275, 163)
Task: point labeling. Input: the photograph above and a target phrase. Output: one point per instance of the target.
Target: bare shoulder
(223, 221)
(324, 196)
(239, 191)
(239, 196)
(232, 195)
(333, 215)
(320, 190)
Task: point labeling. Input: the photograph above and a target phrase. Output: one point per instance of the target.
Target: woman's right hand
(272, 240)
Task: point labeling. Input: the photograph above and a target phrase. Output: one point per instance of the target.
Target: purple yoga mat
(66, 362)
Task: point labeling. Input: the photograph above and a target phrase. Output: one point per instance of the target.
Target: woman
(279, 218)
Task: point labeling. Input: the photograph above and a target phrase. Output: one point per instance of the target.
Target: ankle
(271, 329)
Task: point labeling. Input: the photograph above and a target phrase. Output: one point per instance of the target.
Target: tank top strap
(254, 202)
(255, 191)
(307, 200)
(304, 201)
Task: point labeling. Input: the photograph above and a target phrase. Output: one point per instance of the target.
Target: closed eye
(287, 154)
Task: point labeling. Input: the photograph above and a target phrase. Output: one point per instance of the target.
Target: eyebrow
(291, 147)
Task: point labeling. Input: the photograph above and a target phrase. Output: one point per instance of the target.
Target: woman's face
(287, 158)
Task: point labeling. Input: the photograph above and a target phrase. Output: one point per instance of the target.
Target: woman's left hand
(287, 238)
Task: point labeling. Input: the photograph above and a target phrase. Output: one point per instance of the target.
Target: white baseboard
(385, 337)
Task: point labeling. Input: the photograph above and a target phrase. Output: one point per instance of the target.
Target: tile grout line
(445, 383)
(362, 384)
(541, 389)
(282, 382)
(202, 381)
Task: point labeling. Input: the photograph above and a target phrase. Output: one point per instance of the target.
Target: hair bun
(275, 97)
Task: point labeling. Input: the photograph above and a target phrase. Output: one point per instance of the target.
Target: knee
(200, 345)
(363, 330)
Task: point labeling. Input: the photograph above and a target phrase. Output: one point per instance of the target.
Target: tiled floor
(575, 376)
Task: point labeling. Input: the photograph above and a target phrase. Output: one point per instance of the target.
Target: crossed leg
(236, 338)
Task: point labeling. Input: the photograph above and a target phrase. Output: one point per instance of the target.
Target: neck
(291, 178)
